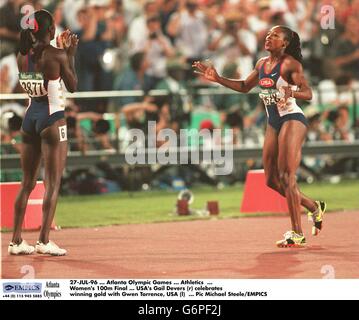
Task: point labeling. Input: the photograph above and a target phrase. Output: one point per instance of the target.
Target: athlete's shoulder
(290, 62)
(56, 53)
(260, 62)
(53, 50)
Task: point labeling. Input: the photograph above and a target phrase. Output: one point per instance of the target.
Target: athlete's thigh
(54, 148)
(290, 140)
(270, 151)
(30, 156)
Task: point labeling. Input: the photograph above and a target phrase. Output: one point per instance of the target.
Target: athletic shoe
(317, 217)
(291, 239)
(22, 248)
(50, 248)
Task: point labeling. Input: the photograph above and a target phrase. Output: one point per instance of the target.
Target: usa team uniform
(46, 103)
(270, 84)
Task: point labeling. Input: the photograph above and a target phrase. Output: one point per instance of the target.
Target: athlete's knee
(287, 179)
(28, 185)
(52, 189)
(272, 183)
(50, 198)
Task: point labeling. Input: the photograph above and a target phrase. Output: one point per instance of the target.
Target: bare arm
(89, 115)
(215, 43)
(67, 63)
(245, 51)
(304, 92)
(210, 73)
(167, 47)
(343, 60)
(131, 108)
(241, 85)
(20, 64)
(174, 25)
(68, 73)
(81, 140)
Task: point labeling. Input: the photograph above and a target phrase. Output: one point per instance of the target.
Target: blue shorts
(38, 118)
(276, 121)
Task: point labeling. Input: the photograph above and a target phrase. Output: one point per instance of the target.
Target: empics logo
(8, 288)
(18, 287)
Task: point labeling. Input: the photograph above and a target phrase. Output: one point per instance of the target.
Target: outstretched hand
(206, 69)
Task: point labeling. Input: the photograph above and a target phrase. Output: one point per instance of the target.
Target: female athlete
(44, 132)
(281, 79)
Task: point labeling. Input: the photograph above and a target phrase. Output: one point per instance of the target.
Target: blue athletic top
(37, 86)
(46, 103)
(271, 92)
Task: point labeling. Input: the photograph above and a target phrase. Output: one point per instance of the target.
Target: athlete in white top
(43, 132)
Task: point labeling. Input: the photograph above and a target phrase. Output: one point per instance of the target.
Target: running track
(217, 249)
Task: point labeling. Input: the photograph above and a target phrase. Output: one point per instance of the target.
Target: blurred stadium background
(134, 64)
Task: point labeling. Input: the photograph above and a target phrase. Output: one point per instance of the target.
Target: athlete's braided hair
(293, 48)
(41, 20)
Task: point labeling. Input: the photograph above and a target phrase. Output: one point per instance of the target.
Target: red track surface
(217, 249)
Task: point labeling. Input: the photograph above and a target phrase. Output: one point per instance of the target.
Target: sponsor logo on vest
(266, 82)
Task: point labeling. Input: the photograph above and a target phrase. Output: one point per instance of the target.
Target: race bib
(63, 133)
(33, 83)
(270, 96)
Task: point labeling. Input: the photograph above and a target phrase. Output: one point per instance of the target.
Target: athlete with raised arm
(281, 79)
(42, 67)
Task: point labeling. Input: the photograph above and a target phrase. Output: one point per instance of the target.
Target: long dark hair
(41, 21)
(293, 48)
